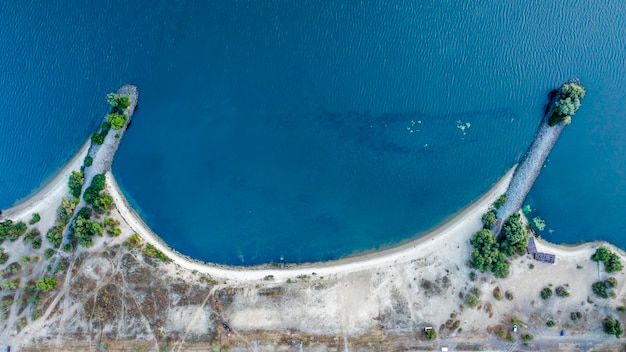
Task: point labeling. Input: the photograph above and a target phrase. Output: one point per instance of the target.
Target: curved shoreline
(464, 223)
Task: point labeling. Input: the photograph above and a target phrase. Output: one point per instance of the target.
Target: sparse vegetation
(612, 262)
(153, 252)
(132, 242)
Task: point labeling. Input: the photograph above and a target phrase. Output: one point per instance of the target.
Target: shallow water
(271, 130)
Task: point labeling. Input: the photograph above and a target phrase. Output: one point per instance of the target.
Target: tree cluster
(116, 120)
(612, 262)
(118, 102)
(487, 255)
(514, 237)
(567, 105)
(84, 228)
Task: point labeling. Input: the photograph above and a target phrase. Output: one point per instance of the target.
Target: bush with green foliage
(118, 102)
(117, 121)
(34, 219)
(46, 283)
(36, 243)
(567, 105)
(526, 336)
(497, 293)
(489, 219)
(621, 309)
(546, 293)
(550, 323)
(613, 327)
(132, 242)
(95, 196)
(97, 138)
(472, 300)
(48, 253)
(612, 262)
(4, 257)
(55, 235)
(430, 334)
(75, 183)
(153, 252)
(561, 292)
(88, 161)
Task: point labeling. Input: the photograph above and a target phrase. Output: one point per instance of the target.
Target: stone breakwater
(102, 155)
(529, 167)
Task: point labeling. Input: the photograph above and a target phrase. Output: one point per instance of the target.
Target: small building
(545, 257)
(531, 248)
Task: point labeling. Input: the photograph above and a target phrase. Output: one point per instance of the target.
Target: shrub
(546, 293)
(88, 161)
(85, 229)
(472, 300)
(550, 323)
(621, 309)
(97, 138)
(31, 234)
(4, 257)
(575, 315)
(10, 285)
(613, 327)
(561, 292)
(46, 283)
(472, 276)
(115, 231)
(35, 219)
(497, 293)
(36, 244)
(48, 253)
(430, 334)
(508, 295)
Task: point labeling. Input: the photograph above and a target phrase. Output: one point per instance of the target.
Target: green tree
(117, 120)
(35, 219)
(500, 201)
(489, 219)
(97, 138)
(546, 293)
(75, 183)
(514, 237)
(88, 161)
(46, 283)
(103, 202)
(472, 300)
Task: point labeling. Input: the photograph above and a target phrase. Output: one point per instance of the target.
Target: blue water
(277, 130)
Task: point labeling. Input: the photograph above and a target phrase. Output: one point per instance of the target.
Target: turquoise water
(291, 130)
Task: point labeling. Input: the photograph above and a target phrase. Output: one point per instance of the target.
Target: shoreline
(52, 188)
(464, 223)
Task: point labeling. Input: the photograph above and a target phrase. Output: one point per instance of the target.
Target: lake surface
(303, 131)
